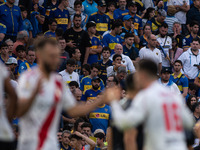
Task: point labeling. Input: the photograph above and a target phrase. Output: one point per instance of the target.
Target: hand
(71, 44)
(111, 94)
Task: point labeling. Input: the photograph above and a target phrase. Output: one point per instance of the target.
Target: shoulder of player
(93, 14)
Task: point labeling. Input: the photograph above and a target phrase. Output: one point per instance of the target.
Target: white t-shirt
(166, 47)
(155, 55)
(38, 127)
(163, 113)
(181, 15)
(189, 60)
(173, 87)
(67, 78)
(6, 133)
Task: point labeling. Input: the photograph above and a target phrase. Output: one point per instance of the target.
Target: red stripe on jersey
(44, 129)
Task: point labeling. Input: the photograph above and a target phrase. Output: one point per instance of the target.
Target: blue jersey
(143, 41)
(154, 25)
(102, 22)
(187, 41)
(3, 28)
(90, 95)
(27, 25)
(19, 61)
(62, 17)
(86, 84)
(89, 8)
(118, 13)
(93, 58)
(103, 69)
(110, 41)
(181, 81)
(100, 118)
(11, 18)
(50, 34)
(25, 66)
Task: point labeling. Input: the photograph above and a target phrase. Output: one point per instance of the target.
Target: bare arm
(184, 7)
(30, 35)
(185, 92)
(86, 55)
(69, 24)
(130, 139)
(12, 99)
(96, 51)
(159, 68)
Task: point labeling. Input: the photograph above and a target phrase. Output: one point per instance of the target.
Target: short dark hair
(196, 39)
(165, 25)
(22, 8)
(193, 23)
(106, 49)
(95, 65)
(77, 123)
(74, 136)
(194, 106)
(99, 135)
(3, 45)
(179, 61)
(127, 35)
(87, 67)
(71, 62)
(129, 82)
(148, 66)
(73, 83)
(20, 48)
(42, 41)
(85, 125)
(192, 86)
(77, 15)
(116, 24)
(52, 21)
(77, 2)
(115, 56)
(111, 3)
(59, 32)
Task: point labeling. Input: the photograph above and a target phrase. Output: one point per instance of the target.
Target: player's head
(146, 73)
(194, 27)
(129, 39)
(195, 44)
(163, 30)
(73, 85)
(87, 128)
(65, 137)
(78, 124)
(75, 141)
(94, 70)
(70, 66)
(117, 26)
(152, 41)
(77, 21)
(118, 49)
(178, 65)
(48, 53)
(106, 52)
(165, 74)
(96, 83)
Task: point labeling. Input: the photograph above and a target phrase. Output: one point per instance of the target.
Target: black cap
(90, 24)
(96, 78)
(101, 3)
(132, 3)
(164, 70)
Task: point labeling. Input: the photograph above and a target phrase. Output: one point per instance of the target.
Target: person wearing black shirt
(77, 37)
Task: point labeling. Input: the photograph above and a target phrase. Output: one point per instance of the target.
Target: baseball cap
(164, 70)
(127, 17)
(11, 60)
(162, 12)
(90, 24)
(101, 3)
(96, 78)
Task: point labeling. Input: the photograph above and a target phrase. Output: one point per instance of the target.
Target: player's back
(165, 119)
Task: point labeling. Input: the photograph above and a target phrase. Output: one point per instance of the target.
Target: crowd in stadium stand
(101, 42)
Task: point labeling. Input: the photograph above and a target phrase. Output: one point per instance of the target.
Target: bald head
(118, 49)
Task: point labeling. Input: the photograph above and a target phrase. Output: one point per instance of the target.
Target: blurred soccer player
(163, 112)
(42, 97)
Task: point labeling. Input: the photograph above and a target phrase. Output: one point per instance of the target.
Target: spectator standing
(151, 52)
(64, 55)
(76, 55)
(92, 93)
(51, 33)
(86, 81)
(121, 10)
(77, 37)
(96, 47)
(113, 38)
(100, 18)
(10, 16)
(61, 15)
(191, 60)
(104, 63)
(29, 63)
(177, 34)
(111, 9)
(50, 4)
(68, 74)
(180, 79)
(194, 29)
(90, 7)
